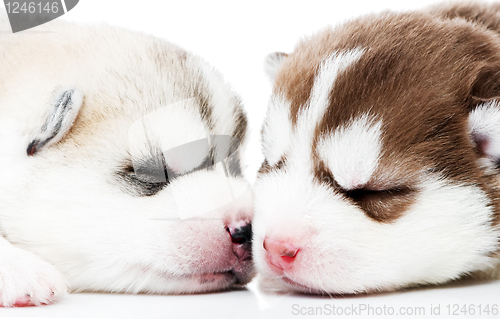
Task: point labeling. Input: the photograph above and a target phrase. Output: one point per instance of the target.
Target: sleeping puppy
(120, 164)
(382, 152)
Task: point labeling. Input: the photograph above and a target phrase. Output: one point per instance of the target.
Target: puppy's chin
(145, 279)
(210, 281)
(224, 280)
(282, 285)
(301, 288)
(214, 281)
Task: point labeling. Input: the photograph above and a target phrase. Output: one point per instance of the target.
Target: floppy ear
(484, 128)
(486, 85)
(62, 115)
(484, 117)
(273, 62)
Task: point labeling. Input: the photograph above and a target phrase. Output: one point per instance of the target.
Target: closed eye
(380, 203)
(364, 193)
(384, 205)
(143, 183)
(149, 177)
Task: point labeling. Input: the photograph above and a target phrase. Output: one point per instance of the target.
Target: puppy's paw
(27, 280)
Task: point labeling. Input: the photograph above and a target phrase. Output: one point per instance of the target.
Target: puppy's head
(381, 149)
(122, 163)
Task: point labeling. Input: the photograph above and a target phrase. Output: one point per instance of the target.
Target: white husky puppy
(120, 168)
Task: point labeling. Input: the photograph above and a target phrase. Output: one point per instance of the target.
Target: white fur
(341, 250)
(352, 152)
(277, 130)
(66, 220)
(169, 121)
(483, 124)
(273, 63)
(22, 271)
(210, 199)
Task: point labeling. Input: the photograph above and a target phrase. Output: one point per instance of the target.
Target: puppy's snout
(280, 254)
(241, 235)
(241, 238)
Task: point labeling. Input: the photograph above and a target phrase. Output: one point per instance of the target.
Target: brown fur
(421, 74)
(482, 14)
(266, 167)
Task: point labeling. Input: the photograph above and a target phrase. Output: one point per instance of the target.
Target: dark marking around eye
(139, 186)
(146, 179)
(151, 177)
(363, 193)
(383, 206)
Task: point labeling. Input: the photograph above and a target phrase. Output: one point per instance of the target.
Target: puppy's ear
(486, 85)
(484, 128)
(65, 107)
(273, 62)
(484, 116)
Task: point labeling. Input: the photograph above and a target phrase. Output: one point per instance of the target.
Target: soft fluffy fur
(381, 149)
(75, 214)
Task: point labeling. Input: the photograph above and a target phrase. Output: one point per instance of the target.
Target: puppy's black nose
(241, 237)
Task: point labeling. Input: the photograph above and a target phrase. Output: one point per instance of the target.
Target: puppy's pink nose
(280, 254)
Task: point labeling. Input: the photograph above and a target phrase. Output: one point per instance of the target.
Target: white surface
(235, 37)
(245, 304)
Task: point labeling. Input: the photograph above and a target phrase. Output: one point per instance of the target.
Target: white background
(235, 37)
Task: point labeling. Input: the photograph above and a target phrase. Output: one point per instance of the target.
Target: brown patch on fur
(383, 206)
(239, 134)
(432, 36)
(420, 74)
(241, 124)
(323, 174)
(264, 168)
(205, 108)
(240, 129)
(267, 168)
